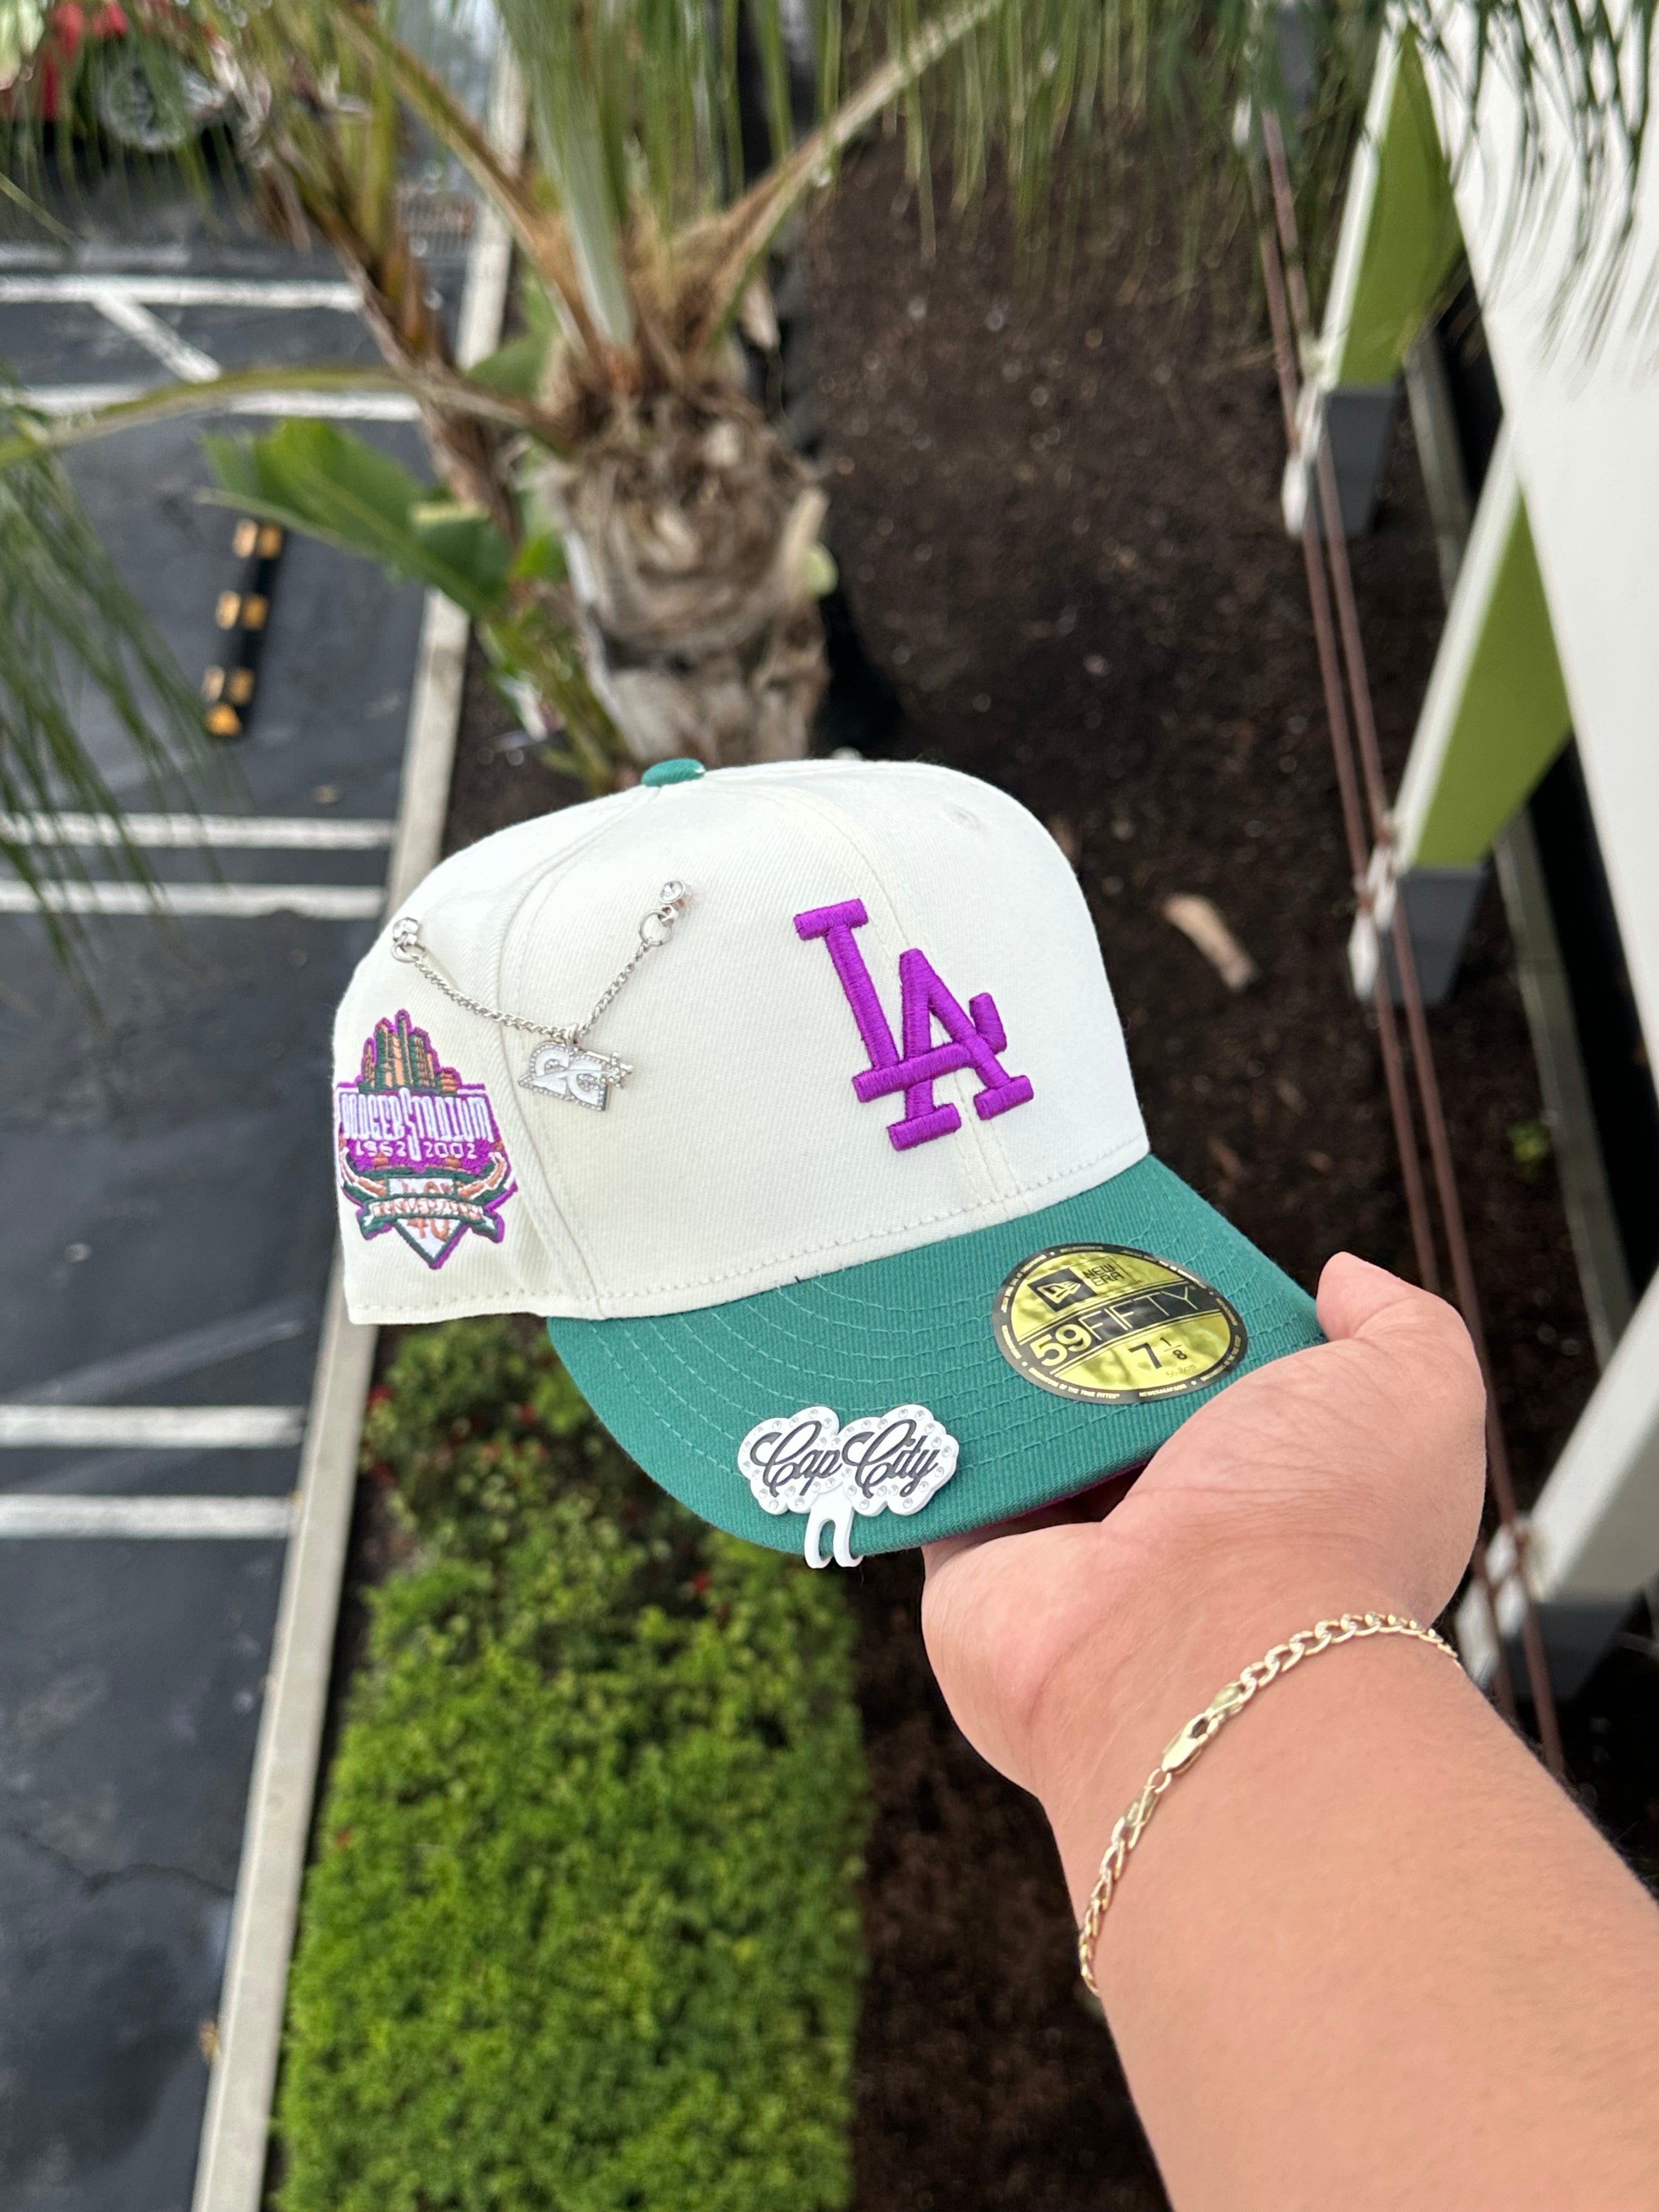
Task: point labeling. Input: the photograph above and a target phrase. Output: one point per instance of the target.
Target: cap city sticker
(806, 1462)
(1114, 1327)
(418, 1149)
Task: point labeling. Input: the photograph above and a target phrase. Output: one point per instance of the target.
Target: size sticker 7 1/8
(1114, 1327)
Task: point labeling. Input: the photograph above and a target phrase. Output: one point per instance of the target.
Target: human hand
(1346, 1478)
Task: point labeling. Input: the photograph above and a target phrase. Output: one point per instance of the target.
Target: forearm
(1347, 1930)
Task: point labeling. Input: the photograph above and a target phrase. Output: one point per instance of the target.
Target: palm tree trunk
(689, 529)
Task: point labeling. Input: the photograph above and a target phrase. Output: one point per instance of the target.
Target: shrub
(580, 1932)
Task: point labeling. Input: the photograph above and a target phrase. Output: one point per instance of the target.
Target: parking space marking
(262, 832)
(243, 902)
(367, 406)
(194, 1428)
(234, 1517)
(157, 291)
(187, 362)
(109, 251)
(187, 1353)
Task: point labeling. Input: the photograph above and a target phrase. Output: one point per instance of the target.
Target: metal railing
(1364, 800)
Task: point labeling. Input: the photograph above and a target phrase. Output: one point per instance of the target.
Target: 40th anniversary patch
(1111, 1326)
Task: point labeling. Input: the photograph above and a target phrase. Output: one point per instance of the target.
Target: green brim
(679, 1392)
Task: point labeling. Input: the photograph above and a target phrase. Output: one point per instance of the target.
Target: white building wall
(1583, 415)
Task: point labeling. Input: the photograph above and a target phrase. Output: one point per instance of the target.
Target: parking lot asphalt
(168, 1222)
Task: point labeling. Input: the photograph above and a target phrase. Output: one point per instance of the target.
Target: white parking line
(155, 291)
(260, 832)
(187, 362)
(108, 252)
(337, 406)
(243, 1517)
(243, 902)
(193, 1428)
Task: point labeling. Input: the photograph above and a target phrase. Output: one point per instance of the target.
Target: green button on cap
(673, 771)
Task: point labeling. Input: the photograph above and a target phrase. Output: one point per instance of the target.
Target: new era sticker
(418, 1149)
(1113, 1326)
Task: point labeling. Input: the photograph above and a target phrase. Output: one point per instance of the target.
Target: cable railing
(1368, 829)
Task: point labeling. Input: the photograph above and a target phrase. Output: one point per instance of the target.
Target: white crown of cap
(738, 1156)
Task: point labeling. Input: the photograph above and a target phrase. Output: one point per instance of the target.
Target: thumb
(1357, 1300)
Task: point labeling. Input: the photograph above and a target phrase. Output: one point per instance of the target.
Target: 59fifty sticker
(418, 1149)
(1114, 1327)
(806, 1462)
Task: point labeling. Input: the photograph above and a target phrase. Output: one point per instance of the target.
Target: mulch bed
(1056, 519)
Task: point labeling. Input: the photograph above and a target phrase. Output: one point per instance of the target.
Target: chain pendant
(565, 1071)
(562, 1066)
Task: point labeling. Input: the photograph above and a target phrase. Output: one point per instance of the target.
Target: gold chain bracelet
(1182, 1749)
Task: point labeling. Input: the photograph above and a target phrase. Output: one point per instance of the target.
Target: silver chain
(655, 929)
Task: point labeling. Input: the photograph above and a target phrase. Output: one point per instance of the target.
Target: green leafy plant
(311, 477)
(582, 1930)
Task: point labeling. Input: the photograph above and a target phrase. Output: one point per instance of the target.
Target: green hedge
(582, 1931)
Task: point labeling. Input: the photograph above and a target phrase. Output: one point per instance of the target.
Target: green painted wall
(1413, 241)
(1512, 719)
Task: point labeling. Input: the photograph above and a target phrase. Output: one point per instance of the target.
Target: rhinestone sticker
(807, 1464)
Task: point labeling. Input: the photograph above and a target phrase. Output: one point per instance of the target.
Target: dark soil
(1057, 524)
(983, 2083)
(499, 777)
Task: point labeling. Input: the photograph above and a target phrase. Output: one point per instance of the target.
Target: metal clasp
(654, 927)
(1186, 1746)
(406, 938)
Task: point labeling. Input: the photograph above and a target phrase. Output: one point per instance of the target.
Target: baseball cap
(795, 1098)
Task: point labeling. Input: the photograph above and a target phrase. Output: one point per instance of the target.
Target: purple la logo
(976, 1036)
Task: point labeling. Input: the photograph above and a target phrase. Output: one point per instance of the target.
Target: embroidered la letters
(976, 1037)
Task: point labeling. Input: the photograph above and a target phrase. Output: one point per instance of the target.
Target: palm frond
(538, 230)
(319, 480)
(69, 627)
(1022, 82)
(10, 189)
(25, 435)
(580, 126)
(733, 243)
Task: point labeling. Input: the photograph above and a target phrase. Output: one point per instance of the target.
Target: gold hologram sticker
(1114, 1327)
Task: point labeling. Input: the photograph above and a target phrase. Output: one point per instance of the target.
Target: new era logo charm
(975, 1036)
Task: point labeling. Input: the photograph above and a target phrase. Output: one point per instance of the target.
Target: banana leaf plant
(636, 543)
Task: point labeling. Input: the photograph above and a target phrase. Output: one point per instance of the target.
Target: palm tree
(633, 537)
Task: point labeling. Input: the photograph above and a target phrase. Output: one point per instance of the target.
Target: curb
(236, 2125)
